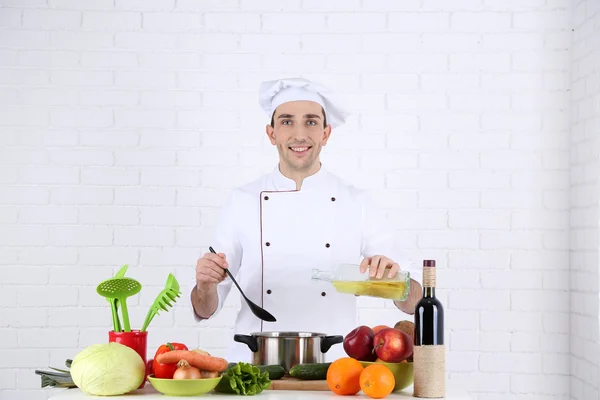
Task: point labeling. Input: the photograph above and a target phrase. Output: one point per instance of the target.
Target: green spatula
(163, 300)
(120, 289)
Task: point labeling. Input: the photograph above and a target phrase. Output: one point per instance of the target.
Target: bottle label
(429, 277)
(429, 371)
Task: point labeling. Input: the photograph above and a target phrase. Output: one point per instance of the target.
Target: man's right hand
(210, 270)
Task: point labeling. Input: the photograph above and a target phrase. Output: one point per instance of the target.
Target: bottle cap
(429, 263)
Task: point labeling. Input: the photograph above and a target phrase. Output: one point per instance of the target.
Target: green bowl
(184, 387)
(403, 373)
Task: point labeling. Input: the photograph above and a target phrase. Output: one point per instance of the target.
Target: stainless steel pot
(288, 348)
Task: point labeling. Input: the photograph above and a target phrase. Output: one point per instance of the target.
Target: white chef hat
(274, 93)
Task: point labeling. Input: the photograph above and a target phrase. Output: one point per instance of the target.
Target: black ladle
(256, 310)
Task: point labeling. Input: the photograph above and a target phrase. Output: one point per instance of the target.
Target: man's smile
(300, 150)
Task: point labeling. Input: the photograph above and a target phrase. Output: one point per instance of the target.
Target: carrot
(200, 361)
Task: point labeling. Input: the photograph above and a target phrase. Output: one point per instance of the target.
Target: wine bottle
(429, 353)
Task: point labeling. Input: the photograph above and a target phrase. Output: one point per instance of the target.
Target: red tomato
(166, 371)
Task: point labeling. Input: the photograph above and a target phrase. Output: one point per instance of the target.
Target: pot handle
(249, 340)
(329, 341)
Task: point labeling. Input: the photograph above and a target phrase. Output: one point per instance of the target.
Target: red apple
(392, 345)
(358, 344)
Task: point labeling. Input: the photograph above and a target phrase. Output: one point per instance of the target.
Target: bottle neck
(429, 278)
(322, 275)
(429, 282)
(429, 292)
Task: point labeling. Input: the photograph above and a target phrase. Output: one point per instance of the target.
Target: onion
(209, 374)
(186, 371)
(199, 351)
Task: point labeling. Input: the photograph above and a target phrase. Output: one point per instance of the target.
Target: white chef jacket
(274, 236)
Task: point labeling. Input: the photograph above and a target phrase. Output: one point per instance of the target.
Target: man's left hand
(377, 265)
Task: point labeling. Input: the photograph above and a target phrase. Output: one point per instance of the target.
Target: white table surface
(453, 392)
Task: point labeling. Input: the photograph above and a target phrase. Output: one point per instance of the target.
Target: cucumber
(316, 371)
(275, 371)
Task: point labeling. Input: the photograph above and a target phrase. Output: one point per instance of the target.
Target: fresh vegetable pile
(245, 379)
(176, 361)
(166, 371)
(112, 368)
(120, 366)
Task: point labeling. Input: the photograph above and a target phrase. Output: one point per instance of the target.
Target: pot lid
(288, 334)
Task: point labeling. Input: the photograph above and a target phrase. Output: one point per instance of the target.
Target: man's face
(298, 133)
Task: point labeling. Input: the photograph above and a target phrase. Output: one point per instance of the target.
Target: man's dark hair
(322, 110)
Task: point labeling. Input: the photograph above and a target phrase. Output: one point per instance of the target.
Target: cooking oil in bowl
(386, 290)
(348, 279)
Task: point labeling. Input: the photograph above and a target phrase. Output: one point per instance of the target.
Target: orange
(377, 381)
(343, 376)
(379, 327)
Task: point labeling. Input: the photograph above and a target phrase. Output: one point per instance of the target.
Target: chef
(274, 231)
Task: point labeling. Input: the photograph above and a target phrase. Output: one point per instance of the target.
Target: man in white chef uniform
(274, 231)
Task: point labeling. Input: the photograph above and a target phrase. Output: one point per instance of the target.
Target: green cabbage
(108, 369)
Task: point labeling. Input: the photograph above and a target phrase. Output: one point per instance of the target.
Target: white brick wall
(584, 201)
(124, 123)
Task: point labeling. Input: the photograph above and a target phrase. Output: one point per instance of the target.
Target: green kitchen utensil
(113, 309)
(120, 289)
(260, 312)
(119, 274)
(170, 293)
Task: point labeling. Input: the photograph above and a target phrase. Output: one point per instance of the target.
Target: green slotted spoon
(119, 274)
(120, 289)
(169, 294)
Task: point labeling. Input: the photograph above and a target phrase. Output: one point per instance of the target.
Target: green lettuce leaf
(243, 379)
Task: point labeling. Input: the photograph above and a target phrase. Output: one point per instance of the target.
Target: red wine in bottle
(429, 352)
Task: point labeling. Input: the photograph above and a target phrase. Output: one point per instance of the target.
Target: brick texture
(125, 123)
(584, 202)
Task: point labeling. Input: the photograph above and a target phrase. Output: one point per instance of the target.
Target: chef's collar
(282, 182)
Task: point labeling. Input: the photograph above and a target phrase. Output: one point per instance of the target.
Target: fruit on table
(377, 328)
(407, 327)
(392, 345)
(164, 370)
(377, 381)
(343, 376)
(358, 344)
